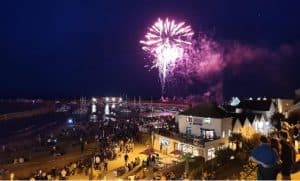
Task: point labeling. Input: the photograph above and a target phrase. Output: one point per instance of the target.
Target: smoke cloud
(206, 60)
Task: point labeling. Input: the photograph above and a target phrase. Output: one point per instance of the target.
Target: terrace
(190, 139)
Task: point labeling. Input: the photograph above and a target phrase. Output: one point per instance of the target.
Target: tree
(276, 120)
(224, 155)
(236, 138)
(187, 157)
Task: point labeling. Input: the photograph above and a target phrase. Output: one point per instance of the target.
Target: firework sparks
(166, 41)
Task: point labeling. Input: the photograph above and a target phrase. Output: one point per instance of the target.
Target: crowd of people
(276, 154)
(112, 137)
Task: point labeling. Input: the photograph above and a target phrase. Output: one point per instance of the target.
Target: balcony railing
(191, 139)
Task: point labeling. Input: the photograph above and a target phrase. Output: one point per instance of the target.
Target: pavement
(118, 162)
(46, 163)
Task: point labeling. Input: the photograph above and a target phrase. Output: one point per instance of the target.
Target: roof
(257, 105)
(242, 117)
(229, 108)
(210, 110)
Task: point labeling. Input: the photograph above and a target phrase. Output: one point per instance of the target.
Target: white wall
(226, 125)
(216, 124)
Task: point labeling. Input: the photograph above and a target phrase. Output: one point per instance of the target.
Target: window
(260, 126)
(211, 153)
(164, 142)
(189, 119)
(229, 132)
(188, 131)
(206, 121)
(223, 134)
(209, 134)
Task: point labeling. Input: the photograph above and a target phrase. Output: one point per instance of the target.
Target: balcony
(190, 139)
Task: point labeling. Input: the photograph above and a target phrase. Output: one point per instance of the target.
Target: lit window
(190, 119)
(260, 125)
(188, 130)
(206, 120)
(211, 153)
(223, 134)
(229, 132)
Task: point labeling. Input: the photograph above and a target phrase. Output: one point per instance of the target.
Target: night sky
(56, 48)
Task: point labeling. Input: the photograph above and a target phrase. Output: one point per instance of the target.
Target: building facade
(203, 130)
(253, 115)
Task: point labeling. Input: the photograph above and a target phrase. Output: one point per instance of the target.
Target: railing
(187, 138)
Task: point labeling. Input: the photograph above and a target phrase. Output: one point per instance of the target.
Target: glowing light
(94, 109)
(106, 99)
(166, 41)
(113, 99)
(106, 109)
(94, 100)
(70, 121)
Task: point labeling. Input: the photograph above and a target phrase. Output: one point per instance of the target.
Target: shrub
(224, 155)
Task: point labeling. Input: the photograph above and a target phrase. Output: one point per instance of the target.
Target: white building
(207, 121)
(252, 116)
(203, 130)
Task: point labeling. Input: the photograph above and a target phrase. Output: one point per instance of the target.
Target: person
(49, 176)
(63, 174)
(105, 166)
(287, 155)
(12, 176)
(266, 158)
(126, 158)
(275, 145)
(81, 146)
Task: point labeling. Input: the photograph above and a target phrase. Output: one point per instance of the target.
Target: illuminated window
(206, 121)
(211, 153)
(188, 130)
(229, 132)
(209, 134)
(260, 126)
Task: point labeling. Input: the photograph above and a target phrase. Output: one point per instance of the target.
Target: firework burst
(166, 41)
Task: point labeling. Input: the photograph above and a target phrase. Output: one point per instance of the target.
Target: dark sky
(54, 48)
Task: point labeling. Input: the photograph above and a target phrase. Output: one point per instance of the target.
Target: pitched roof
(257, 105)
(206, 110)
(229, 108)
(243, 116)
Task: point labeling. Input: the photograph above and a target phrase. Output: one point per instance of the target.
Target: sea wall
(25, 114)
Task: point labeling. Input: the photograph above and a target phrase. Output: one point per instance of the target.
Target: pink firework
(166, 41)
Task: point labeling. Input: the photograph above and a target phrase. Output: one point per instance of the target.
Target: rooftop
(258, 105)
(206, 110)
